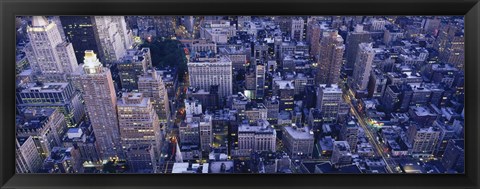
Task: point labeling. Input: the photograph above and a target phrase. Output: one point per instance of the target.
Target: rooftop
(34, 118)
(44, 88)
(221, 167)
(333, 88)
(302, 133)
(190, 168)
(256, 129)
(422, 111)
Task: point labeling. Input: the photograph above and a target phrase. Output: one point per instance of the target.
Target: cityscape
(240, 94)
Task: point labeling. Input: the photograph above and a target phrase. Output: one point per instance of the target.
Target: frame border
(11, 8)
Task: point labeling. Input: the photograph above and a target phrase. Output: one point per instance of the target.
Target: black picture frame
(10, 8)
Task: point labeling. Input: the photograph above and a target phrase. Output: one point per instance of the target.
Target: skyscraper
(205, 132)
(132, 66)
(349, 133)
(454, 156)
(297, 29)
(329, 101)
(50, 57)
(101, 102)
(314, 34)
(45, 125)
(353, 40)
(27, 157)
(363, 66)
(260, 81)
(431, 26)
(139, 129)
(152, 86)
(330, 60)
(138, 122)
(112, 36)
(62, 96)
(423, 140)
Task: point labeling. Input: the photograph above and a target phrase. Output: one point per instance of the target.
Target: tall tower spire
(91, 63)
(39, 21)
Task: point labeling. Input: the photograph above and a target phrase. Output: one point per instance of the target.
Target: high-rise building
(223, 123)
(27, 157)
(315, 121)
(218, 71)
(189, 23)
(423, 140)
(132, 66)
(209, 100)
(143, 26)
(79, 31)
(349, 133)
(56, 20)
(298, 142)
(112, 37)
(205, 133)
(197, 131)
(101, 105)
(431, 26)
(260, 52)
(238, 56)
(82, 139)
(353, 40)
(363, 66)
(341, 154)
(189, 133)
(297, 28)
(454, 156)
(62, 96)
(314, 34)
(193, 107)
(255, 111)
(331, 58)
(455, 51)
(45, 125)
(329, 102)
(378, 24)
(152, 86)
(63, 160)
(285, 90)
(139, 128)
(273, 108)
(301, 81)
(391, 99)
(392, 33)
(141, 158)
(260, 81)
(377, 84)
(164, 26)
(258, 138)
(50, 56)
(138, 121)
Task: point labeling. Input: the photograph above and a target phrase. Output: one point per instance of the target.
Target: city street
(391, 164)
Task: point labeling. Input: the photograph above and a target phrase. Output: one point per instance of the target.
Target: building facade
(50, 56)
(101, 105)
(202, 75)
(331, 58)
